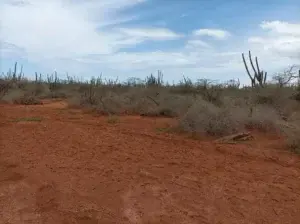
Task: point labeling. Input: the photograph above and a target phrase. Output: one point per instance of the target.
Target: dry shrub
(277, 98)
(263, 118)
(4, 87)
(27, 100)
(28, 94)
(108, 102)
(142, 101)
(169, 105)
(204, 117)
(40, 90)
(291, 131)
(13, 94)
(112, 103)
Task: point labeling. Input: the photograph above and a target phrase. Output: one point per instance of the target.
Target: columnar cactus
(259, 77)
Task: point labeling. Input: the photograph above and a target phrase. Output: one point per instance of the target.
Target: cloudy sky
(132, 38)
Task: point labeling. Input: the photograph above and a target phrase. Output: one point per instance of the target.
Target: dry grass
(200, 108)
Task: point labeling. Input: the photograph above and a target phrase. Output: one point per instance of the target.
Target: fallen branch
(244, 136)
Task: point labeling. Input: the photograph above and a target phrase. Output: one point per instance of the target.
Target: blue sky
(133, 38)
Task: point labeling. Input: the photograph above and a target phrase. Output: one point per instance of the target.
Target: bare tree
(287, 76)
(232, 83)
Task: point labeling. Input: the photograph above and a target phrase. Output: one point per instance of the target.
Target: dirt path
(59, 165)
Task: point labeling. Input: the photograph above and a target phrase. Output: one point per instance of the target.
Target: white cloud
(88, 36)
(258, 40)
(281, 39)
(215, 33)
(196, 43)
(143, 60)
(280, 27)
(58, 28)
(150, 33)
(48, 28)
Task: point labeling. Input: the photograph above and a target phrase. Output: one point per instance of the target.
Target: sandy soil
(60, 165)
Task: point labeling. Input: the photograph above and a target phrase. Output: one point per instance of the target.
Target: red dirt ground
(74, 167)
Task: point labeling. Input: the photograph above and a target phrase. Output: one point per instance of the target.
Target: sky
(133, 38)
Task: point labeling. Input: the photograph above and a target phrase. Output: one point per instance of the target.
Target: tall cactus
(259, 77)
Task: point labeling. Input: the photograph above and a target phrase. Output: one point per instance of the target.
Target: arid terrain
(149, 112)
(61, 165)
